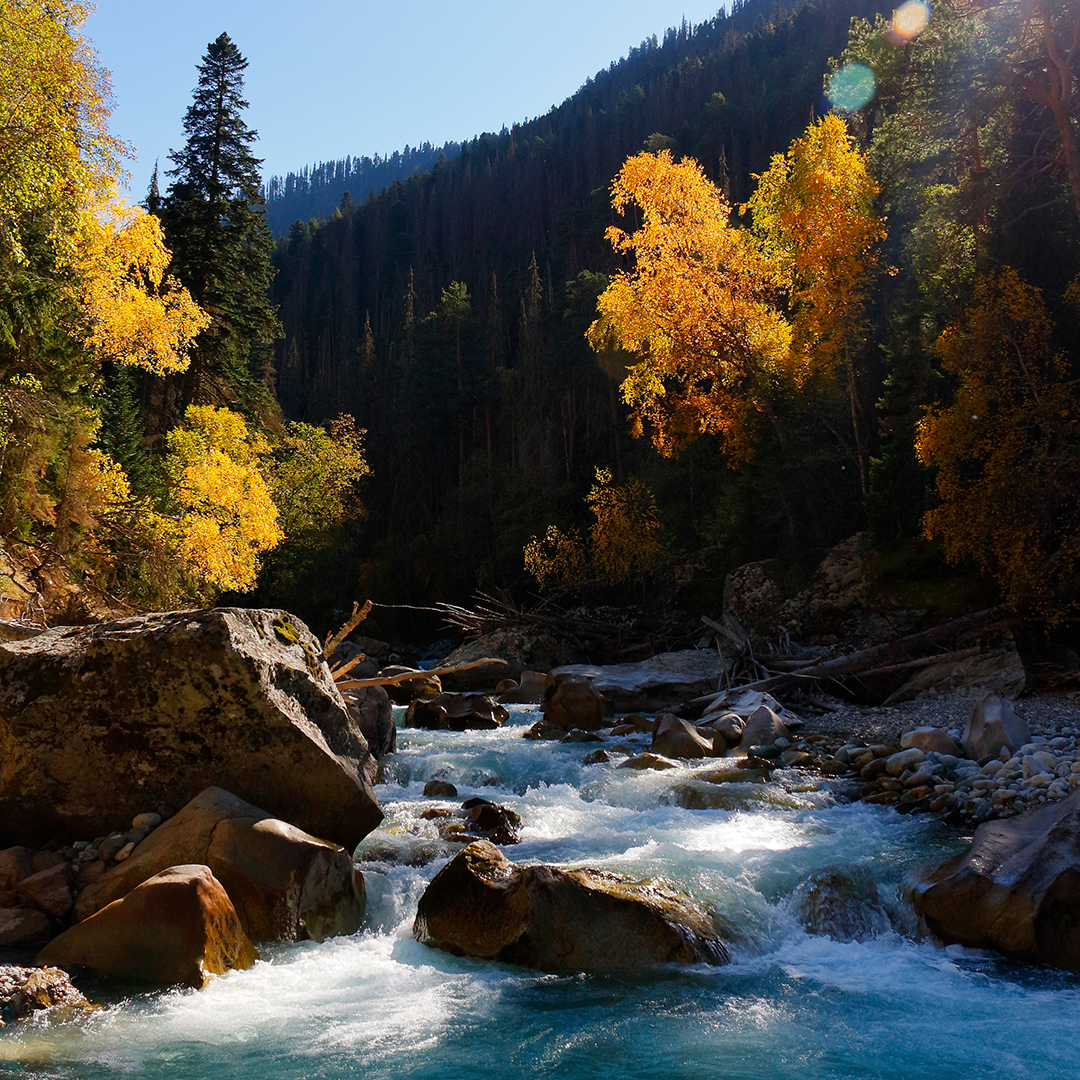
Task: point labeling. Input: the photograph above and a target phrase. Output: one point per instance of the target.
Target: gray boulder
(99, 722)
(370, 707)
(482, 905)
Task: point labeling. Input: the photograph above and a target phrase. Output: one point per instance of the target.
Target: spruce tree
(216, 228)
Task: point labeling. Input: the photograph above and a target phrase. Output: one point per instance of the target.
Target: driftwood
(895, 655)
(405, 676)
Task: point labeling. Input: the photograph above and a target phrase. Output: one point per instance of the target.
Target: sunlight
(851, 87)
(908, 21)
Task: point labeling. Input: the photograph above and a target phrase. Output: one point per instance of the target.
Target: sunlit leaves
(225, 515)
(132, 312)
(696, 310)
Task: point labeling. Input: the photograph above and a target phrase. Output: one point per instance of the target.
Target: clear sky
(329, 79)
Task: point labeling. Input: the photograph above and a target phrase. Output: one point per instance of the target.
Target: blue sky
(330, 79)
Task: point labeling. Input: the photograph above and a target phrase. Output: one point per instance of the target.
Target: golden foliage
(132, 312)
(226, 517)
(315, 476)
(1007, 451)
(624, 541)
(813, 210)
(56, 154)
(705, 309)
(696, 310)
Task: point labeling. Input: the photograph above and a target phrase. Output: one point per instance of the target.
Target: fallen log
(405, 676)
(874, 659)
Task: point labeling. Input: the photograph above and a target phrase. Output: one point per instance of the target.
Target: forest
(795, 273)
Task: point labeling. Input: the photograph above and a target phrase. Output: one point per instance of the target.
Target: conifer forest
(801, 271)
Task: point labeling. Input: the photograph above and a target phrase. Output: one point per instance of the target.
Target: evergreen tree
(216, 228)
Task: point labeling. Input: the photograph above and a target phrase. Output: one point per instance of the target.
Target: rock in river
(1016, 889)
(178, 927)
(99, 722)
(482, 905)
(284, 884)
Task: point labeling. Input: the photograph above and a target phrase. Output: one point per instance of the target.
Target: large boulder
(99, 722)
(1016, 889)
(573, 701)
(284, 884)
(993, 725)
(178, 927)
(520, 648)
(482, 905)
(662, 682)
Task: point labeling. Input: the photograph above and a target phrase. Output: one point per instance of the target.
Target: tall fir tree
(216, 228)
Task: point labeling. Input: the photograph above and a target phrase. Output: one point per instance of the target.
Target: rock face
(178, 927)
(99, 722)
(992, 725)
(24, 991)
(666, 680)
(482, 905)
(456, 712)
(1016, 889)
(284, 884)
(573, 701)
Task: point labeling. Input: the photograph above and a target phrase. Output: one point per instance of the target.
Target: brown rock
(930, 740)
(16, 863)
(679, 739)
(1016, 889)
(19, 925)
(543, 917)
(98, 722)
(648, 761)
(49, 890)
(370, 708)
(440, 789)
(457, 712)
(284, 884)
(571, 701)
(422, 685)
(528, 691)
(763, 728)
(178, 927)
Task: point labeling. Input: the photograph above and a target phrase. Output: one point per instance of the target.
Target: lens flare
(851, 87)
(908, 20)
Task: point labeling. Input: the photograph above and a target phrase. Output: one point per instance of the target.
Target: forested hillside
(448, 315)
(316, 192)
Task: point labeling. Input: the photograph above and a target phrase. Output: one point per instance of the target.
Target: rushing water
(829, 979)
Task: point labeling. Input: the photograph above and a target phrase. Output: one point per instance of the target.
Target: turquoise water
(862, 996)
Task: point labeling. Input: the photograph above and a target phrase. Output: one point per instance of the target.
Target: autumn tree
(724, 320)
(697, 311)
(813, 210)
(1006, 452)
(221, 516)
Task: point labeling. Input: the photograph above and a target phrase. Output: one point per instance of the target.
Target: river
(830, 978)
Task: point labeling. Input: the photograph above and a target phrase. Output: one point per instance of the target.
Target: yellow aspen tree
(225, 517)
(696, 311)
(813, 211)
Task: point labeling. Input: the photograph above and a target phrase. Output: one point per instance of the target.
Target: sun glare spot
(908, 20)
(851, 87)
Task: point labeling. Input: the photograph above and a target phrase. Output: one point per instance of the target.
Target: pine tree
(216, 227)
